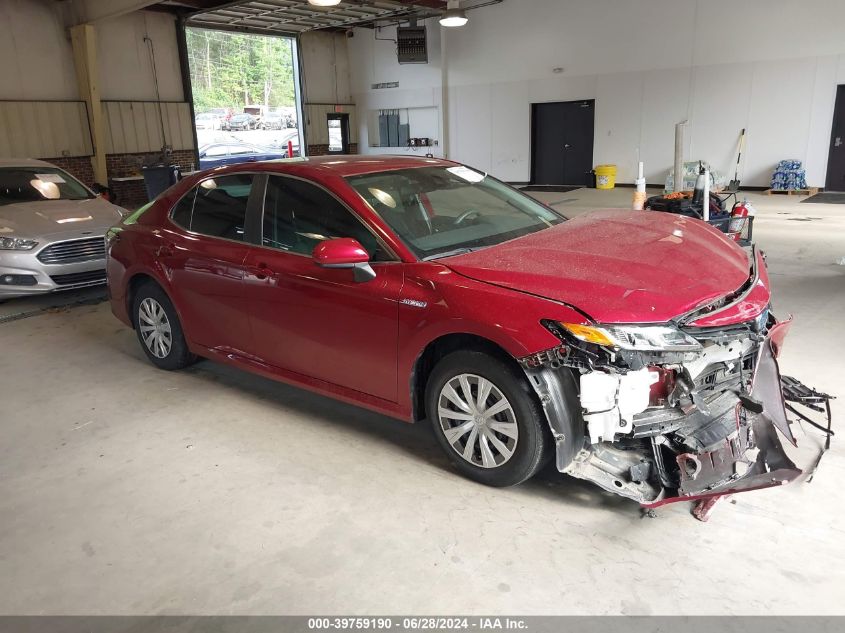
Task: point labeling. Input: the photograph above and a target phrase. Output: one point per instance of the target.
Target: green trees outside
(231, 70)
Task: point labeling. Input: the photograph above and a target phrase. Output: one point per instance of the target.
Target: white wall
(373, 60)
(721, 64)
(325, 67)
(36, 53)
(38, 71)
(38, 60)
(126, 69)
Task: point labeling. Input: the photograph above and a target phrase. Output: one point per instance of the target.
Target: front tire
(486, 418)
(159, 330)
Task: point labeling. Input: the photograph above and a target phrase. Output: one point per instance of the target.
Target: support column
(444, 93)
(83, 39)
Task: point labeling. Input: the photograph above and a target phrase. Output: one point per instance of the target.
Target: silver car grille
(72, 251)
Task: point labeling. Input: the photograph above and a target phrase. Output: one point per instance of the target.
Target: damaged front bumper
(664, 427)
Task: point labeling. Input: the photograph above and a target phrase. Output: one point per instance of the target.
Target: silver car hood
(49, 217)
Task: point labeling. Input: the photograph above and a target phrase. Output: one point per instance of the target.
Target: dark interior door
(836, 159)
(562, 142)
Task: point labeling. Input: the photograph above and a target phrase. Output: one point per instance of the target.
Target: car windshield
(439, 211)
(36, 184)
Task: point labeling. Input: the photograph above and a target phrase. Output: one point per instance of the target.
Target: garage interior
(126, 490)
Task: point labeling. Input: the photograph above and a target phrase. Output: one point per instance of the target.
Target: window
(299, 215)
(440, 210)
(216, 207)
(216, 150)
(338, 133)
(181, 214)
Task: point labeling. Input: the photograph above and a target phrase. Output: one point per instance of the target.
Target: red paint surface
(284, 316)
(617, 266)
(343, 250)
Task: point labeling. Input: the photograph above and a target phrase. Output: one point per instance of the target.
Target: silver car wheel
(155, 328)
(477, 420)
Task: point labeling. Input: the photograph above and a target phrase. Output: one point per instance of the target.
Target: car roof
(23, 162)
(360, 164)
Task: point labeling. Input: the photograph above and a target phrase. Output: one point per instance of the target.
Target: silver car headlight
(643, 338)
(16, 244)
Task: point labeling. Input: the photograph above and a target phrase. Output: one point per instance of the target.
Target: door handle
(567, 146)
(261, 271)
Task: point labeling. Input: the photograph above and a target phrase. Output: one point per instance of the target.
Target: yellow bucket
(605, 176)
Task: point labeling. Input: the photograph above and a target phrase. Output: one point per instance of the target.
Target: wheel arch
(135, 282)
(437, 349)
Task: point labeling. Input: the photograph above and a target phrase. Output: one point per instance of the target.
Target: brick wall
(130, 193)
(133, 193)
(323, 150)
(78, 166)
(122, 165)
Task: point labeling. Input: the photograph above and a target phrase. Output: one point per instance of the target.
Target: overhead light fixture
(453, 15)
(324, 3)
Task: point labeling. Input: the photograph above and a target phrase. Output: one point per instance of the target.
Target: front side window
(39, 184)
(216, 207)
(439, 211)
(299, 215)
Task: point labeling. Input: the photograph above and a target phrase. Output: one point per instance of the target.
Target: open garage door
(245, 95)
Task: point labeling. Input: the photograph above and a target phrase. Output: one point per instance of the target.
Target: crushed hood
(616, 266)
(36, 219)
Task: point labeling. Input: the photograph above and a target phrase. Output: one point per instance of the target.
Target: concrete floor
(127, 490)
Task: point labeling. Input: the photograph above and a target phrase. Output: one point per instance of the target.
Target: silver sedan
(52, 230)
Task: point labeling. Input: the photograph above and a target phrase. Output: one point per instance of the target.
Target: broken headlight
(643, 338)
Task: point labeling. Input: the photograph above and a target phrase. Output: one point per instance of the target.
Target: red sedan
(636, 348)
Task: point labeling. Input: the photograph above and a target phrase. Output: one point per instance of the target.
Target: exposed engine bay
(702, 417)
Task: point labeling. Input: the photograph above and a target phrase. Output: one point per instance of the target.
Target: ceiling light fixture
(453, 15)
(324, 3)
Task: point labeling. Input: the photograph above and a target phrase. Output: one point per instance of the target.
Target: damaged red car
(636, 349)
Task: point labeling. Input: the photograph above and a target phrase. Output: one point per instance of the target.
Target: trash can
(158, 178)
(605, 176)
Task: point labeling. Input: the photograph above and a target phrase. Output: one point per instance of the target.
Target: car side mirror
(345, 252)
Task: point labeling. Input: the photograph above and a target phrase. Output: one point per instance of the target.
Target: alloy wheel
(477, 420)
(155, 328)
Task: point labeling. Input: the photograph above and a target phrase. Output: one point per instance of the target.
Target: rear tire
(159, 330)
(486, 418)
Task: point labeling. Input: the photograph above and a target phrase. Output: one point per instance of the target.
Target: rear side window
(216, 207)
(299, 215)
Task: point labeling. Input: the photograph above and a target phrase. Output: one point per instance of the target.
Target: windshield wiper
(458, 251)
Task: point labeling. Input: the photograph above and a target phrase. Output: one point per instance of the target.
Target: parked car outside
(52, 230)
(217, 154)
(424, 289)
(273, 121)
(207, 121)
(224, 114)
(258, 112)
(242, 122)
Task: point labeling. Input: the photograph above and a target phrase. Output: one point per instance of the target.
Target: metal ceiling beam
(296, 16)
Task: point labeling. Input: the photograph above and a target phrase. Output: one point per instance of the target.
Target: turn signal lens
(641, 338)
(589, 334)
